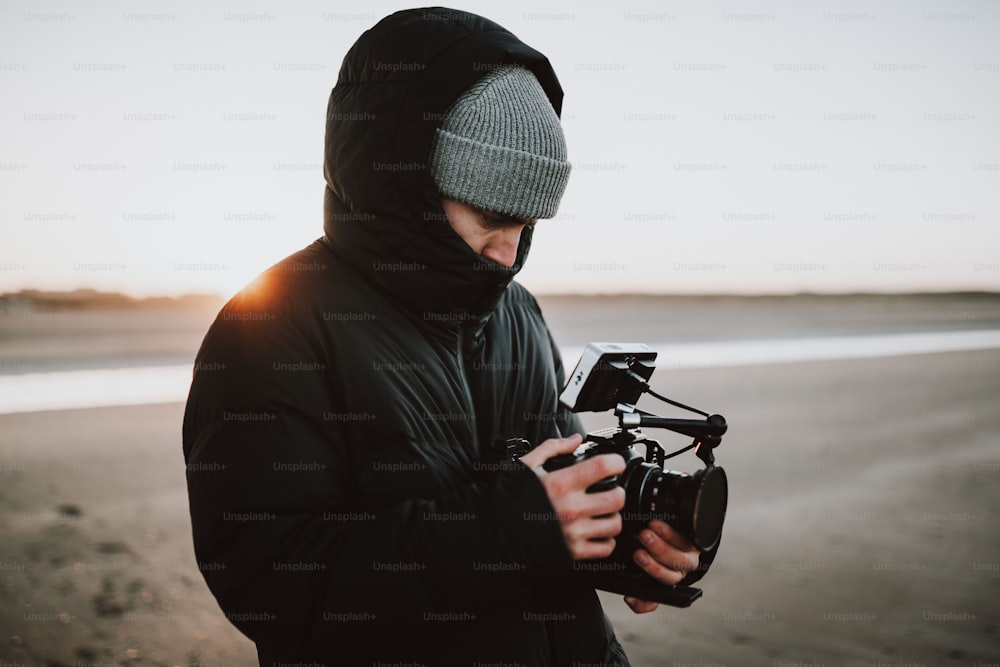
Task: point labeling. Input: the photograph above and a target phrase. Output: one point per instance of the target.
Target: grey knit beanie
(501, 147)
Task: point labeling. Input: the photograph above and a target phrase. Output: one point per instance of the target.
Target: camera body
(613, 376)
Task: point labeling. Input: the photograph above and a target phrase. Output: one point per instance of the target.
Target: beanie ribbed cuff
(498, 179)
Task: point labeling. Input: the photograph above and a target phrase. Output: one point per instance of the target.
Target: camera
(612, 376)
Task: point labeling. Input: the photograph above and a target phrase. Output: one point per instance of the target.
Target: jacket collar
(436, 277)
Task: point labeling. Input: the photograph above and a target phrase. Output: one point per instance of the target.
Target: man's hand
(589, 521)
(666, 556)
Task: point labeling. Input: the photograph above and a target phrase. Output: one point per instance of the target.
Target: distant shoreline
(89, 300)
(84, 300)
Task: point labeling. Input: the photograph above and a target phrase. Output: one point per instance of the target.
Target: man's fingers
(668, 534)
(590, 549)
(551, 447)
(641, 606)
(589, 521)
(573, 482)
(604, 502)
(667, 554)
(597, 468)
(661, 557)
(596, 529)
(657, 571)
(566, 445)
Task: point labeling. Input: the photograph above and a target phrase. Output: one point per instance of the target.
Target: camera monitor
(602, 378)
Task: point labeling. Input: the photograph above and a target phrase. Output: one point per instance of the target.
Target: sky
(717, 147)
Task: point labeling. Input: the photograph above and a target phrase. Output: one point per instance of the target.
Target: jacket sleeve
(276, 535)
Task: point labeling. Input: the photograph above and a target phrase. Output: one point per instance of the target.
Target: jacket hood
(382, 210)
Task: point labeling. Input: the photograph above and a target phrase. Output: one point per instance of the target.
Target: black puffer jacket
(346, 503)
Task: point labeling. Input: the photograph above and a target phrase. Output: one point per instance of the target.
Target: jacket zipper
(467, 389)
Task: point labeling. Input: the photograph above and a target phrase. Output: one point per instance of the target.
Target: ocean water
(63, 390)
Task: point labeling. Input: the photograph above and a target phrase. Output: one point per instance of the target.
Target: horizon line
(90, 292)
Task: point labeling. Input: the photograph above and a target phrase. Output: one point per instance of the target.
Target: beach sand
(97, 560)
(861, 530)
(862, 523)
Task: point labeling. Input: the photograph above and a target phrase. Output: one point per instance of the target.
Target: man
(351, 496)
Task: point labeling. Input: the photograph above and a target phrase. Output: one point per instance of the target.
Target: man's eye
(497, 221)
(501, 221)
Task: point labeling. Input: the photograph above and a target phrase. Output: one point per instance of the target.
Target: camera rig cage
(613, 376)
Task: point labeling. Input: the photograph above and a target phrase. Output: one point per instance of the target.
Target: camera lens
(711, 495)
(693, 504)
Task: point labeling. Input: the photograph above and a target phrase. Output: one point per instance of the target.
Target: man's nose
(502, 248)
